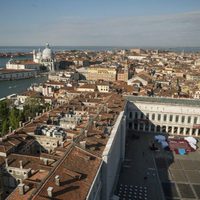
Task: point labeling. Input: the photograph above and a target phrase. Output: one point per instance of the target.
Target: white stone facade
(175, 117)
(46, 58)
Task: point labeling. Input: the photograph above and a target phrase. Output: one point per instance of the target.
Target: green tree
(5, 127)
(14, 118)
(33, 106)
(4, 110)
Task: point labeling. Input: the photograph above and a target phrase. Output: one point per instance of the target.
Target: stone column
(184, 131)
(196, 132)
(178, 130)
(190, 133)
(149, 127)
(172, 130)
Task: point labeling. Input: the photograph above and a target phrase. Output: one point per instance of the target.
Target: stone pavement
(157, 175)
(139, 172)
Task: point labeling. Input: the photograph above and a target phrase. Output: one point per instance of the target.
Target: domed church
(45, 57)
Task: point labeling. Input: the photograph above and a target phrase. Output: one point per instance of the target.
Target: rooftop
(186, 102)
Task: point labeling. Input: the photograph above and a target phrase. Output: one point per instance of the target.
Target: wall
(113, 156)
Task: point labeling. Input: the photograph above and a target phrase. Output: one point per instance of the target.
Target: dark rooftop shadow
(66, 182)
(65, 190)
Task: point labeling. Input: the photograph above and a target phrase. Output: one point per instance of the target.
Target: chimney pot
(86, 133)
(21, 164)
(50, 191)
(83, 144)
(6, 162)
(57, 180)
(21, 188)
(45, 162)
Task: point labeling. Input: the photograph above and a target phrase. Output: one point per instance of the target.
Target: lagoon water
(18, 86)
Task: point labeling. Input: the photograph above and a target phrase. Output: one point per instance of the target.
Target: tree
(33, 106)
(4, 110)
(5, 127)
(14, 118)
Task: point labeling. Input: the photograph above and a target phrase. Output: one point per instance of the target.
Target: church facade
(45, 58)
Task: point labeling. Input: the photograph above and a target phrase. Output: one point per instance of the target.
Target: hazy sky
(100, 22)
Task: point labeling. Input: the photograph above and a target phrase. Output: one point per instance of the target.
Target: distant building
(13, 74)
(193, 77)
(136, 57)
(87, 88)
(197, 62)
(103, 87)
(46, 58)
(136, 50)
(102, 73)
(22, 64)
(123, 74)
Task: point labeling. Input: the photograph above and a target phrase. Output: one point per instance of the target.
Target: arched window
(158, 128)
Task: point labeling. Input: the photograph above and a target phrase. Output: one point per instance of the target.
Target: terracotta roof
(76, 171)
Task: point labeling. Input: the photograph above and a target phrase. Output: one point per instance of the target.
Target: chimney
(83, 144)
(45, 162)
(6, 162)
(86, 133)
(21, 164)
(57, 180)
(107, 110)
(50, 192)
(10, 129)
(21, 188)
(20, 124)
(62, 144)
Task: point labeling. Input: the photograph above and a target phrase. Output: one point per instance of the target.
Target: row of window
(163, 117)
(169, 129)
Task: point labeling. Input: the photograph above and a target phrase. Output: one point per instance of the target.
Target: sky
(147, 23)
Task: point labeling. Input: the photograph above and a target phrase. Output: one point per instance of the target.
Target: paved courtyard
(157, 175)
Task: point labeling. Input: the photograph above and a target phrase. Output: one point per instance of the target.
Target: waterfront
(17, 86)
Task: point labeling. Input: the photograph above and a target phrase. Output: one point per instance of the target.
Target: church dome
(47, 53)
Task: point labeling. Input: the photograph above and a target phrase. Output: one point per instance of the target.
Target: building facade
(164, 115)
(22, 65)
(45, 58)
(11, 74)
(102, 73)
